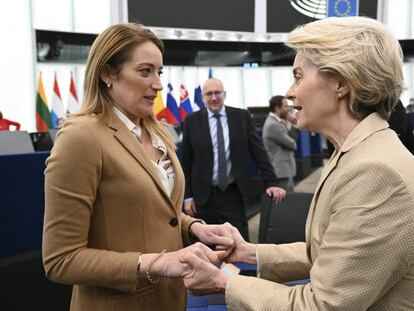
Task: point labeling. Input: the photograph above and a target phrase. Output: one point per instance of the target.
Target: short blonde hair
(362, 52)
(111, 49)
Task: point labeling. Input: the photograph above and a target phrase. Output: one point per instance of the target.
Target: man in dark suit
(399, 122)
(217, 144)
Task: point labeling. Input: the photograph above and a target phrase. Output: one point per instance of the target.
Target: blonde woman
(359, 249)
(114, 188)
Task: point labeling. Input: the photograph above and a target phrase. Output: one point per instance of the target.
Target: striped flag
(198, 98)
(173, 114)
(73, 103)
(185, 104)
(57, 106)
(43, 119)
(159, 107)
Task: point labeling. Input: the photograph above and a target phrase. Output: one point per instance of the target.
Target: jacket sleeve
(259, 153)
(72, 179)
(186, 221)
(364, 251)
(281, 137)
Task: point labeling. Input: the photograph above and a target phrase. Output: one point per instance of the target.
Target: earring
(108, 84)
(340, 95)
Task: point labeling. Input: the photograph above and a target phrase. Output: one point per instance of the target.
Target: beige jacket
(104, 205)
(359, 251)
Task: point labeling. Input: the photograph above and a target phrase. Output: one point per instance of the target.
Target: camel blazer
(280, 147)
(359, 250)
(105, 204)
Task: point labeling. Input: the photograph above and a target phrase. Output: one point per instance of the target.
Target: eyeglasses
(215, 93)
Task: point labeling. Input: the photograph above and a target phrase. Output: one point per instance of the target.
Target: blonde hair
(111, 49)
(362, 52)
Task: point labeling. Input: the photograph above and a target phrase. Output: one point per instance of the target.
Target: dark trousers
(225, 206)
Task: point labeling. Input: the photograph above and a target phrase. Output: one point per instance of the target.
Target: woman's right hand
(243, 251)
(172, 265)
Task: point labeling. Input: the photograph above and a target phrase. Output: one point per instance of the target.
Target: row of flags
(171, 112)
(47, 119)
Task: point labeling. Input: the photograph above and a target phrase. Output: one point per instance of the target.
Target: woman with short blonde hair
(363, 53)
(359, 244)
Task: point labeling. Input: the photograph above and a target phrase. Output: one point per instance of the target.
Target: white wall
(17, 63)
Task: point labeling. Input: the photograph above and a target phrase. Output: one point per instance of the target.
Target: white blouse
(163, 166)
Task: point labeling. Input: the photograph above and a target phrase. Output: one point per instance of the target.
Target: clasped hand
(204, 276)
(173, 264)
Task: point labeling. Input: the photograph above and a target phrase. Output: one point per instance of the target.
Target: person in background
(217, 144)
(400, 123)
(348, 75)
(61, 122)
(114, 188)
(280, 142)
(410, 106)
(5, 124)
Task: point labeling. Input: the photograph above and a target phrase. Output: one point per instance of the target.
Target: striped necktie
(222, 163)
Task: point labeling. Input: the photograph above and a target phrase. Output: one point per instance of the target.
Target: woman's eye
(160, 72)
(146, 71)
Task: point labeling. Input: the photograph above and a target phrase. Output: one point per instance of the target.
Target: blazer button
(173, 222)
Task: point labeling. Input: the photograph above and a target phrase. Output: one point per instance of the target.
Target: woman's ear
(342, 88)
(106, 76)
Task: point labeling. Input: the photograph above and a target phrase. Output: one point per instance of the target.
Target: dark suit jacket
(197, 160)
(400, 123)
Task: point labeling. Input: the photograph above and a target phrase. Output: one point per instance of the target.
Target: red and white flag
(73, 103)
(58, 111)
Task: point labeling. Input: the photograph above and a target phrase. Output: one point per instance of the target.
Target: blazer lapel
(205, 134)
(233, 131)
(178, 189)
(330, 166)
(130, 143)
(364, 129)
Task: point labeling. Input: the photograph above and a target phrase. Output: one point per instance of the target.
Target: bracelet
(156, 257)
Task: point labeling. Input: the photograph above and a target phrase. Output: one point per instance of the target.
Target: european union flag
(341, 8)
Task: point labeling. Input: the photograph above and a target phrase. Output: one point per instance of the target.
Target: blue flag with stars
(341, 8)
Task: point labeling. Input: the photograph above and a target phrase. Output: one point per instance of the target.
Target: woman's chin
(145, 113)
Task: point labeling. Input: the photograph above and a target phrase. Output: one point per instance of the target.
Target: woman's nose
(290, 94)
(157, 85)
